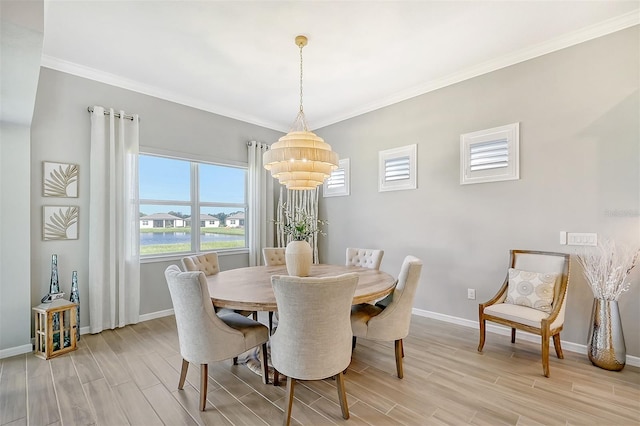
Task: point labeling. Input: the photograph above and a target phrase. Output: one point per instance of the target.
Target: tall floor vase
(606, 340)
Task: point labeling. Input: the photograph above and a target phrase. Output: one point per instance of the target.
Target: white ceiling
(238, 58)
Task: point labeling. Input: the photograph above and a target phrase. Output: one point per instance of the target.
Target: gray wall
(578, 110)
(21, 35)
(61, 130)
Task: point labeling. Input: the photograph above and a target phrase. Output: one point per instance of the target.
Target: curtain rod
(115, 114)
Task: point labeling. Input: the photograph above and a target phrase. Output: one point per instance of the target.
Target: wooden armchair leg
(204, 378)
(265, 364)
(398, 344)
(545, 353)
(288, 401)
(513, 335)
(482, 333)
(342, 395)
(556, 344)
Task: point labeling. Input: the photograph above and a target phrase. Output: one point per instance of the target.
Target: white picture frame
(60, 223)
(60, 179)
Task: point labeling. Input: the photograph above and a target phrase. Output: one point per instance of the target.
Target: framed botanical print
(59, 179)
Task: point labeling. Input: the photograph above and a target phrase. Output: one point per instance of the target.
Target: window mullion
(195, 208)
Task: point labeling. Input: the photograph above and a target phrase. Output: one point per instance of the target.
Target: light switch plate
(582, 239)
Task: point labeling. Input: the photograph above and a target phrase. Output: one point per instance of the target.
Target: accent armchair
(532, 298)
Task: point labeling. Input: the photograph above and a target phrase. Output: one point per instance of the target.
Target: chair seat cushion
(360, 316)
(516, 313)
(254, 332)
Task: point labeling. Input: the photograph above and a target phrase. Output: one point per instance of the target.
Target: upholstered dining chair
(273, 256)
(208, 263)
(205, 337)
(390, 323)
(313, 337)
(532, 298)
(367, 258)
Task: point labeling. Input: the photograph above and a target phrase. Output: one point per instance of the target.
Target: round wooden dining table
(250, 288)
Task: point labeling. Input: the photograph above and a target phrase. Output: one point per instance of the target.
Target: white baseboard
(154, 315)
(505, 331)
(19, 350)
(16, 350)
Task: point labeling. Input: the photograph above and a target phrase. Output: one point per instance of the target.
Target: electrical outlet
(471, 293)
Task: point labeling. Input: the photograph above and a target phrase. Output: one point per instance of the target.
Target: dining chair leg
(254, 315)
(288, 401)
(265, 365)
(342, 395)
(402, 347)
(398, 345)
(183, 373)
(276, 377)
(204, 376)
(270, 323)
(513, 335)
(353, 343)
(235, 360)
(556, 344)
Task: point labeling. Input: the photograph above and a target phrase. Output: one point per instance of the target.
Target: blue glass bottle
(54, 287)
(75, 298)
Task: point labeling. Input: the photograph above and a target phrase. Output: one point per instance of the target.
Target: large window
(171, 190)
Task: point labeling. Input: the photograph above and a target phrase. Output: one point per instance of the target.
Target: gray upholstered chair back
(273, 256)
(394, 320)
(367, 258)
(203, 337)
(313, 338)
(207, 263)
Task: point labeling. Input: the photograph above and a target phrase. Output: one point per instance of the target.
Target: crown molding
(157, 92)
(588, 33)
(601, 29)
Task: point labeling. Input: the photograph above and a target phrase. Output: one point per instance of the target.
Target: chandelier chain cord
(301, 109)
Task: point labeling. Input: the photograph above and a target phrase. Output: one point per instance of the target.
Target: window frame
(411, 182)
(344, 165)
(509, 133)
(195, 204)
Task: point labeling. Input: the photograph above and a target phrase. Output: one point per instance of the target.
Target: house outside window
(173, 189)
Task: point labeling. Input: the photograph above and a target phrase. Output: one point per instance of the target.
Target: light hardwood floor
(130, 376)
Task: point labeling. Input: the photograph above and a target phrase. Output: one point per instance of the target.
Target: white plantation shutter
(338, 183)
(397, 168)
(490, 155)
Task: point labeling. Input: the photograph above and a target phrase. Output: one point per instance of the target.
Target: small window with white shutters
(490, 155)
(337, 184)
(397, 168)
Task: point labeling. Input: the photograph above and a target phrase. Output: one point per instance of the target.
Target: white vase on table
(299, 257)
